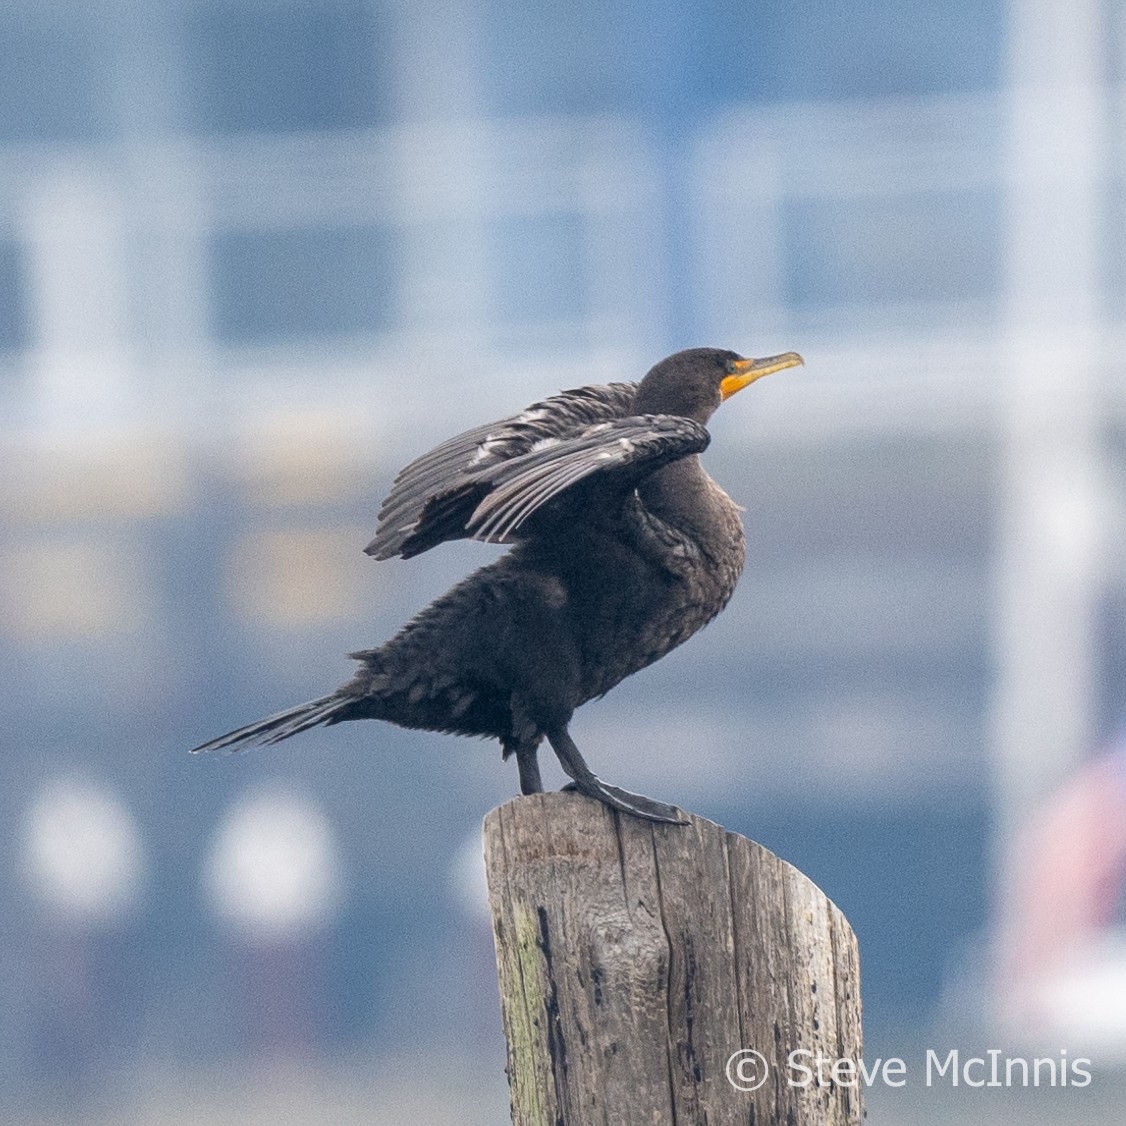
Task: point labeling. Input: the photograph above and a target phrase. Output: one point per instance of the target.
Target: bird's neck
(683, 495)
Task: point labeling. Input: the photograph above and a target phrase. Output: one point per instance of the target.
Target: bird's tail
(275, 728)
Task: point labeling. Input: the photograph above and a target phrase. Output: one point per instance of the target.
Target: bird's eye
(729, 366)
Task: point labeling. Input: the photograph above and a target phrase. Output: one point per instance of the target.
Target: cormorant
(623, 547)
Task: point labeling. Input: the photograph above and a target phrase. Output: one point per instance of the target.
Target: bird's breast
(631, 604)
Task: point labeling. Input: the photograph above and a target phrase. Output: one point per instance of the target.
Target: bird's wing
(433, 497)
(621, 453)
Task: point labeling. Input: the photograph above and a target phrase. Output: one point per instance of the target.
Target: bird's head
(693, 383)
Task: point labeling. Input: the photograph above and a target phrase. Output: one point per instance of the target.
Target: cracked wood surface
(634, 959)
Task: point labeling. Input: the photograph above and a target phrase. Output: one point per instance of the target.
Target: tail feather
(275, 728)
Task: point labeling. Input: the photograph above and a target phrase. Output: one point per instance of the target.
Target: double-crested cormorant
(623, 547)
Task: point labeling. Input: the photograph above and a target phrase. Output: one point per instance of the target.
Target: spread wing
(621, 453)
(433, 497)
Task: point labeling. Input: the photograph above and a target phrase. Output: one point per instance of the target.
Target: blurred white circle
(82, 851)
(467, 876)
(273, 869)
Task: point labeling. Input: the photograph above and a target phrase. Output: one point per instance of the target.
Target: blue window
(801, 49)
(276, 285)
(284, 67)
(48, 87)
(557, 58)
(668, 60)
(928, 247)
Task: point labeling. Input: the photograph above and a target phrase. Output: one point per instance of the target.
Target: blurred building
(255, 254)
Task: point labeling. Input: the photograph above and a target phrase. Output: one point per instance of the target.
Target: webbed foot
(623, 800)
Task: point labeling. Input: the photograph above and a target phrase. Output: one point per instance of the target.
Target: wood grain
(635, 959)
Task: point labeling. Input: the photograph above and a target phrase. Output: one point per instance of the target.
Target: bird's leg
(529, 767)
(587, 782)
(523, 741)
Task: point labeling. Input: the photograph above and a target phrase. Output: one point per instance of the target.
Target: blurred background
(257, 254)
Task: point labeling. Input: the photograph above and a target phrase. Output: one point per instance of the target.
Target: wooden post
(636, 960)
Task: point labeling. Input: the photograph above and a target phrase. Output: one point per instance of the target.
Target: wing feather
(621, 452)
(433, 497)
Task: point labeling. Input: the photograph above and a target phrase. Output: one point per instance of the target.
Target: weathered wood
(636, 959)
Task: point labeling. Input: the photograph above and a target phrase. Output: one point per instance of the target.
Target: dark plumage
(623, 547)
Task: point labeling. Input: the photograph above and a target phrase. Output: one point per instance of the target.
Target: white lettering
(950, 1065)
(1036, 1070)
(809, 1068)
(966, 1072)
(994, 1055)
(792, 1060)
(899, 1068)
